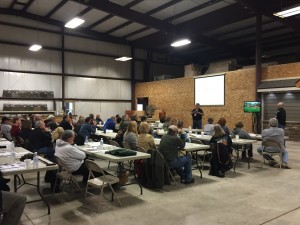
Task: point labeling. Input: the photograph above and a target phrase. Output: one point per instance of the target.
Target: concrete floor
(252, 196)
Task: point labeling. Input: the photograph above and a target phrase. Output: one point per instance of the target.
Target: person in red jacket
(15, 128)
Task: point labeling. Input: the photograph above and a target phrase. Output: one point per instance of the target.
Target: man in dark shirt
(169, 147)
(197, 114)
(66, 123)
(40, 139)
(87, 129)
(281, 115)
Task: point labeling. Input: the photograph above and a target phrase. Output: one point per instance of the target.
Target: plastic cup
(237, 137)
(27, 163)
(190, 127)
(202, 133)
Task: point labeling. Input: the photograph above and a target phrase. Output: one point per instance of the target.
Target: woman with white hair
(221, 152)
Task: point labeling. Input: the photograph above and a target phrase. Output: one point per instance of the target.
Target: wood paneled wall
(281, 71)
(176, 97)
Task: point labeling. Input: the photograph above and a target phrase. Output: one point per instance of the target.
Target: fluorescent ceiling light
(75, 22)
(289, 12)
(123, 59)
(181, 43)
(35, 47)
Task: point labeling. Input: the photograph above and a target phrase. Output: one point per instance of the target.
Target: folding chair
(271, 152)
(100, 182)
(65, 176)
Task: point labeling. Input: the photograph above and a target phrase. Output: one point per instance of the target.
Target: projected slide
(210, 90)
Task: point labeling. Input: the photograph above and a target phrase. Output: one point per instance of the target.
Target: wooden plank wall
(176, 97)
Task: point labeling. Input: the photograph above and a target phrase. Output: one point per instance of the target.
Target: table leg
(15, 183)
(198, 166)
(39, 192)
(237, 158)
(121, 168)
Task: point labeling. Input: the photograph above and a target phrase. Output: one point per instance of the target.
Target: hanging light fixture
(75, 22)
(288, 12)
(181, 42)
(123, 58)
(35, 47)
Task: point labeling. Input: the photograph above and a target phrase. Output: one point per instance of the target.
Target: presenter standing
(281, 115)
(197, 114)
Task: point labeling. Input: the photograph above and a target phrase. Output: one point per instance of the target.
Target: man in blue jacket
(87, 129)
(110, 124)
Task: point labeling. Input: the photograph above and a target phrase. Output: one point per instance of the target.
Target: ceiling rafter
(171, 18)
(85, 11)
(28, 4)
(151, 12)
(129, 14)
(44, 19)
(199, 25)
(98, 22)
(260, 7)
(13, 3)
(56, 8)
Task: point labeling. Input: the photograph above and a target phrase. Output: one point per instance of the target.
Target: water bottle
(35, 163)
(86, 141)
(101, 143)
(13, 153)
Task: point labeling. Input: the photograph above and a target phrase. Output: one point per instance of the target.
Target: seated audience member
(56, 134)
(26, 129)
(131, 135)
(98, 119)
(222, 123)
(181, 133)
(15, 129)
(66, 123)
(5, 128)
(50, 122)
(117, 116)
(117, 126)
(274, 134)
(91, 116)
(12, 205)
(78, 124)
(72, 157)
(238, 130)
(160, 125)
(221, 152)
(87, 129)
(110, 124)
(209, 128)
(134, 118)
(143, 119)
(169, 147)
(145, 139)
(125, 122)
(36, 117)
(40, 139)
(167, 123)
(72, 119)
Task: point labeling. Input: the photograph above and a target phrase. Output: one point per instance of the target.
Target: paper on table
(5, 154)
(99, 151)
(11, 167)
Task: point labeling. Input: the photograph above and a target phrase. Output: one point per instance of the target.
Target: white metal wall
(91, 65)
(105, 109)
(19, 58)
(90, 88)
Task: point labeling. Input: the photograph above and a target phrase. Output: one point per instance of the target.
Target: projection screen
(210, 90)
